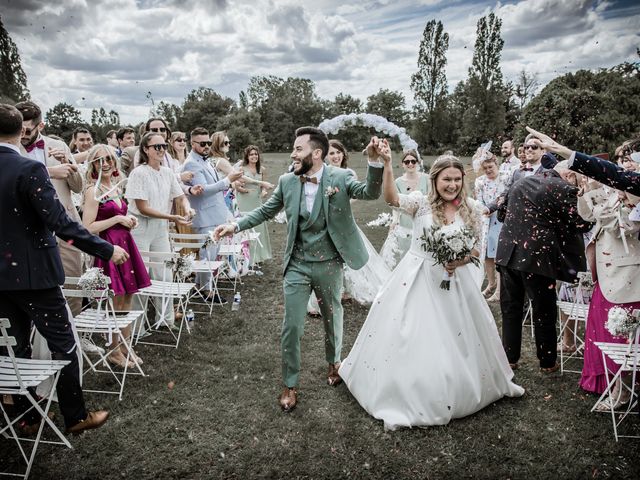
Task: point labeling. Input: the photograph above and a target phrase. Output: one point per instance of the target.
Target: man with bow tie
(322, 235)
(63, 171)
(210, 207)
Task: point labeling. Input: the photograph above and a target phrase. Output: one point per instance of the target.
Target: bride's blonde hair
(465, 208)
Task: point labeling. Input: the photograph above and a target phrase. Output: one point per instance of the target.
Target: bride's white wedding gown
(426, 355)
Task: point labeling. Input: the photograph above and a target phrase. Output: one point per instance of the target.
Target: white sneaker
(90, 347)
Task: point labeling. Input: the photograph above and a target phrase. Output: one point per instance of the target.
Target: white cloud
(113, 53)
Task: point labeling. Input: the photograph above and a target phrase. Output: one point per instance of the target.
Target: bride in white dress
(426, 355)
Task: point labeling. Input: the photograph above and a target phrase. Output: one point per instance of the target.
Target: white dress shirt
(311, 189)
(37, 154)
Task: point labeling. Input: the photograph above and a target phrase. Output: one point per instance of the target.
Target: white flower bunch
(182, 266)
(621, 322)
(449, 245)
(380, 124)
(93, 279)
(383, 220)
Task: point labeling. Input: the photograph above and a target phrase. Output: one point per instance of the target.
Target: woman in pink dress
(105, 214)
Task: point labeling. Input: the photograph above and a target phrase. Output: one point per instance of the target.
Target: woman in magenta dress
(105, 214)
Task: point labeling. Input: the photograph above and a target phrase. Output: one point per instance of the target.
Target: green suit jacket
(338, 186)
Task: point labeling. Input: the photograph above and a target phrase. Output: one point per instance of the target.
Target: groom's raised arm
(267, 211)
(369, 190)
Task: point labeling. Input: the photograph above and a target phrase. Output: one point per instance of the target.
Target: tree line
(591, 110)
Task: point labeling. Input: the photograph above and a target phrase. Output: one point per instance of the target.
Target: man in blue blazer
(210, 207)
(601, 170)
(31, 270)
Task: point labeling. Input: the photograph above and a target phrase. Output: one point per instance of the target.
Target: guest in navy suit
(601, 170)
(31, 270)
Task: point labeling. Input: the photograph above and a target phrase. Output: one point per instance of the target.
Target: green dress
(261, 248)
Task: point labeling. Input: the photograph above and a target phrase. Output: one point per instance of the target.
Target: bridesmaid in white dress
(399, 239)
(426, 355)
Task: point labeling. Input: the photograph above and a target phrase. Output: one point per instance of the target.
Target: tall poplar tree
(429, 86)
(486, 95)
(13, 81)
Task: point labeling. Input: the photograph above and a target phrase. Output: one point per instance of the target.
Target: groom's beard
(304, 167)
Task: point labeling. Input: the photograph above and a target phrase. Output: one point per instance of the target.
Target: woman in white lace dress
(426, 355)
(399, 239)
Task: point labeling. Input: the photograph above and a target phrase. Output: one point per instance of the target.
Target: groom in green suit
(321, 236)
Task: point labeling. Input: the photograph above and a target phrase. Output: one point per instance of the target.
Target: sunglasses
(180, 140)
(412, 162)
(29, 131)
(531, 147)
(103, 159)
(204, 144)
(227, 142)
(158, 130)
(159, 147)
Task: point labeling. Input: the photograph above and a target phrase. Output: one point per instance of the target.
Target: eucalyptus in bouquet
(449, 245)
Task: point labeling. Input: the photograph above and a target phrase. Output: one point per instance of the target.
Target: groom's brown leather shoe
(333, 378)
(288, 399)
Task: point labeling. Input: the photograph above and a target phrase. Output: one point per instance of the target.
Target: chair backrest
(9, 342)
(183, 241)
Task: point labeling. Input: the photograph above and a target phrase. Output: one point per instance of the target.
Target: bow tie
(39, 144)
(304, 179)
(525, 169)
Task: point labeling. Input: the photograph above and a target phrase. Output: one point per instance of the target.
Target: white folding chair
(184, 241)
(17, 375)
(527, 320)
(94, 324)
(575, 312)
(166, 290)
(627, 357)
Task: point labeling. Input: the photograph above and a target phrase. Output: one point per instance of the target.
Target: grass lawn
(222, 420)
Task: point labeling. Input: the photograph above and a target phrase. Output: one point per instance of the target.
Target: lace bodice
(417, 205)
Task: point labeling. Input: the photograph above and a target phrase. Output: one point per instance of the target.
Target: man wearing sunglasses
(601, 170)
(65, 177)
(210, 207)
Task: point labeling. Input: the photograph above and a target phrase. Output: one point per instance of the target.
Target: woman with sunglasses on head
(178, 151)
(105, 213)
(220, 146)
(250, 198)
(399, 239)
(152, 190)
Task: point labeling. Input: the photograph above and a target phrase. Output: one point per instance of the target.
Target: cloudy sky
(93, 53)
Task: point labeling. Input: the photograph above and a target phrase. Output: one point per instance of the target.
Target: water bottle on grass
(235, 306)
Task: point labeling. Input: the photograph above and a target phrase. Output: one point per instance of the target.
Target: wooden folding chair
(17, 375)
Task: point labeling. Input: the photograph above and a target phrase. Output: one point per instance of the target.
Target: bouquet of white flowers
(621, 322)
(93, 279)
(182, 266)
(449, 246)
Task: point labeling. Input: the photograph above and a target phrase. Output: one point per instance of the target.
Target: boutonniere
(330, 191)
